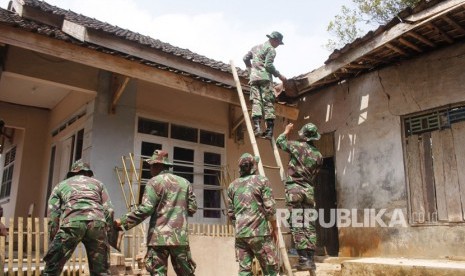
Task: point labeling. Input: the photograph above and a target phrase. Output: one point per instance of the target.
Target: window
(152, 127)
(197, 155)
(211, 176)
(435, 158)
(7, 175)
(211, 138)
(184, 133)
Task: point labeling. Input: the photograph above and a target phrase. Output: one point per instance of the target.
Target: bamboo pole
(29, 245)
(281, 245)
(253, 141)
(20, 245)
(37, 246)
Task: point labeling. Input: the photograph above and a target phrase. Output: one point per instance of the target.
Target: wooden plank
(11, 237)
(144, 52)
(451, 182)
(440, 32)
(414, 178)
(396, 49)
(458, 132)
(37, 245)
(438, 169)
(421, 38)
(46, 238)
(428, 177)
(410, 45)
(453, 23)
(20, 245)
(29, 245)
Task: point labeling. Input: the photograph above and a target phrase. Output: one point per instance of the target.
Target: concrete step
(402, 266)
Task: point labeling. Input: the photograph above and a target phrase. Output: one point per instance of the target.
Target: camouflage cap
(159, 157)
(80, 165)
(276, 35)
(248, 158)
(309, 132)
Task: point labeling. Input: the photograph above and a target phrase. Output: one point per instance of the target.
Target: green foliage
(347, 25)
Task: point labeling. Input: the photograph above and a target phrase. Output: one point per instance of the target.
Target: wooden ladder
(253, 141)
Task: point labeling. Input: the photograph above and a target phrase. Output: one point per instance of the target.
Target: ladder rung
(271, 167)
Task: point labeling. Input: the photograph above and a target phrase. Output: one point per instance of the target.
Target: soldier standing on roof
(79, 210)
(250, 207)
(168, 199)
(259, 62)
(304, 163)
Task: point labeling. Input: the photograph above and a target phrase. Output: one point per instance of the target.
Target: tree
(347, 25)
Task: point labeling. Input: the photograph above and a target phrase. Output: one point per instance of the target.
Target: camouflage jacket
(304, 160)
(251, 205)
(78, 198)
(260, 58)
(168, 199)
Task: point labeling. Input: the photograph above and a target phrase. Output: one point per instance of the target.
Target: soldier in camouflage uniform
(259, 62)
(304, 164)
(250, 207)
(168, 199)
(79, 210)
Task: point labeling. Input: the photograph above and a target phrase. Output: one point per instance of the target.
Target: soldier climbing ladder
(281, 245)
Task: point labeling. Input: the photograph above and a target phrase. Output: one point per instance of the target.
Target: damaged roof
(45, 19)
(429, 26)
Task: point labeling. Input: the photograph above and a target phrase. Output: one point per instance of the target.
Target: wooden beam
(39, 15)
(453, 23)
(409, 44)
(380, 40)
(83, 55)
(440, 32)
(421, 38)
(145, 52)
(396, 49)
(119, 89)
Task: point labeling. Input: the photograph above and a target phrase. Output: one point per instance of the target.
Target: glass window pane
(146, 151)
(211, 199)
(211, 138)
(184, 163)
(184, 133)
(152, 127)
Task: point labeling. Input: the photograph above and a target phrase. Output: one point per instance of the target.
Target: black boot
(268, 134)
(311, 257)
(256, 126)
(304, 260)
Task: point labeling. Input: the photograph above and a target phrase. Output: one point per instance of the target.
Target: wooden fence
(21, 252)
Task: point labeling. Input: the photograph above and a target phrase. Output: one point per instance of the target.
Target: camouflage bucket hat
(309, 132)
(248, 158)
(159, 157)
(79, 165)
(276, 35)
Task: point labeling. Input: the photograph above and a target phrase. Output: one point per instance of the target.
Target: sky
(224, 30)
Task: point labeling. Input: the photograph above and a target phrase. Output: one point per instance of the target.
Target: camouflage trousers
(156, 260)
(263, 103)
(93, 234)
(263, 248)
(299, 198)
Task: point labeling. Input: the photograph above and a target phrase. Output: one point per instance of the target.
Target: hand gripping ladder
(281, 245)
